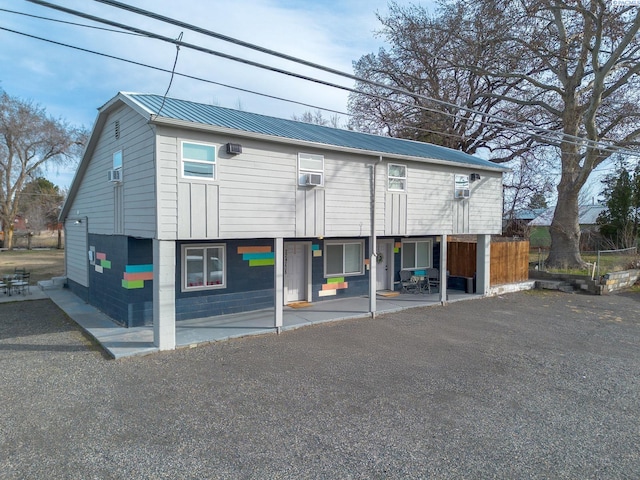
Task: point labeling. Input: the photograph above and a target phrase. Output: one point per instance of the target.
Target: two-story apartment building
(180, 210)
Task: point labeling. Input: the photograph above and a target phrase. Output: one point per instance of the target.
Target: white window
(198, 160)
(344, 258)
(117, 160)
(203, 267)
(461, 186)
(416, 254)
(310, 169)
(397, 177)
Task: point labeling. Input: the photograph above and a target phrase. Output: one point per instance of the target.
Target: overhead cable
(200, 79)
(538, 131)
(226, 38)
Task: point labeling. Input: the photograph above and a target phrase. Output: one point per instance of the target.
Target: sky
(71, 84)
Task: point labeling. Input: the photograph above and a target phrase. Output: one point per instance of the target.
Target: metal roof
(290, 129)
(587, 215)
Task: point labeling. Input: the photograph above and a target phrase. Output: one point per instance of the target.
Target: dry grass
(43, 264)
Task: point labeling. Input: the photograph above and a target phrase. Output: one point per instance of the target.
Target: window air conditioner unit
(462, 193)
(313, 179)
(115, 175)
(234, 148)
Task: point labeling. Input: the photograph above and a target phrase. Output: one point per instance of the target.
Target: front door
(384, 266)
(295, 272)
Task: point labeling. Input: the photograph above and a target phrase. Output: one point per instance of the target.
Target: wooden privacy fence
(509, 261)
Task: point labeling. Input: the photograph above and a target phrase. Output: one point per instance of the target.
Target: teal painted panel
(138, 268)
(315, 247)
(257, 256)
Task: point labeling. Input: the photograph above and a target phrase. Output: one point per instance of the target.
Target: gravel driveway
(529, 385)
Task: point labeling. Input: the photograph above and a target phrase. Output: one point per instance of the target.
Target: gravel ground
(529, 385)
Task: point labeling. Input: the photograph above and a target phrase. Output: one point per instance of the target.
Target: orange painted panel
(335, 286)
(139, 276)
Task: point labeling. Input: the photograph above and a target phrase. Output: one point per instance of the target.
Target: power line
(350, 76)
(75, 24)
(528, 129)
(200, 79)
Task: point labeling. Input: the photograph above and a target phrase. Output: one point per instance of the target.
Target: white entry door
(384, 265)
(295, 272)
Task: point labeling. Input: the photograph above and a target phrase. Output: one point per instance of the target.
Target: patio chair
(4, 287)
(408, 282)
(433, 278)
(21, 284)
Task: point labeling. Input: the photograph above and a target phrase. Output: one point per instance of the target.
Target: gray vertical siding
(76, 250)
(396, 214)
(310, 212)
(134, 208)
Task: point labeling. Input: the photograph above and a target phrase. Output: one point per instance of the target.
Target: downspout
(373, 244)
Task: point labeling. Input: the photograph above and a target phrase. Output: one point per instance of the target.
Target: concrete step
(567, 288)
(555, 285)
(53, 284)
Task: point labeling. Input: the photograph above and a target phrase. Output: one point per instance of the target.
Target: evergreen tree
(619, 222)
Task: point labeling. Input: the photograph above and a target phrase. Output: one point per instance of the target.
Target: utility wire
(529, 130)
(307, 63)
(75, 24)
(395, 124)
(173, 71)
(536, 131)
(212, 82)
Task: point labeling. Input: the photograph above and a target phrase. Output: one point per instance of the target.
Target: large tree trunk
(8, 238)
(565, 230)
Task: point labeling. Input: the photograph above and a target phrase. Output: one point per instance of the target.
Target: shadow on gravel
(40, 326)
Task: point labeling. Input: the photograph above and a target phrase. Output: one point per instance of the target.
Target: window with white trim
(117, 160)
(198, 160)
(416, 254)
(203, 267)
(310, 169)
(397, 177)
(343, 258)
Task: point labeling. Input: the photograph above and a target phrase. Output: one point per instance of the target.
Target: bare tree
(529, 179)
(318, 118)
(543, 66)
(40, 203)
(417, 90)
(29, 139)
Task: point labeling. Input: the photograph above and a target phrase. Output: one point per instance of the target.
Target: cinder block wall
(620, 280)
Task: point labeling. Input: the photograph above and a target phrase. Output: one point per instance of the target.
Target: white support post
(373, 246)
(164, 294)
(278, 282)
(372, 275)
(443, 269)
(483, 264)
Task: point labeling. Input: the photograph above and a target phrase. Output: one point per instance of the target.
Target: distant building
(587, 218)
(518, 223)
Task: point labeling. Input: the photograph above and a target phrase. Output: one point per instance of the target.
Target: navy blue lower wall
(252, 287)
(78, 290)
(130, 307)
(247, 287)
